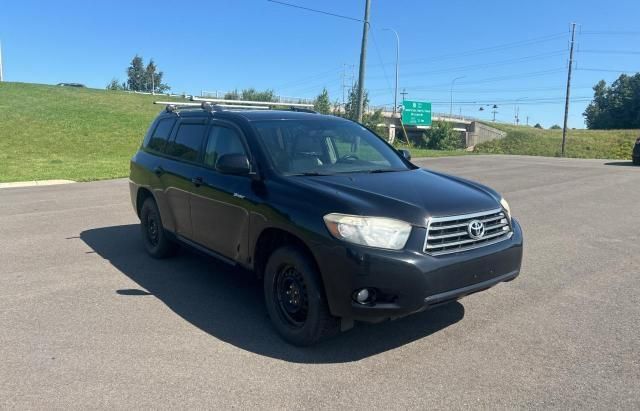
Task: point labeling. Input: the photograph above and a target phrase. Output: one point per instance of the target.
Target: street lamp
(452, 83)
(395, 94)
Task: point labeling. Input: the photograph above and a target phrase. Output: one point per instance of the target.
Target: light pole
(451, 105)
(395, 94)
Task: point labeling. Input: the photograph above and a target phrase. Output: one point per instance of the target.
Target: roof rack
(212, 105)
(253, 103)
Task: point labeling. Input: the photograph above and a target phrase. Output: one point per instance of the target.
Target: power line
(312, 77)
(485, 65)
(629, 52)
(611, 33)
(505, 46)
(315, 10)
(375, 43)
(606, 70)
(490, 79)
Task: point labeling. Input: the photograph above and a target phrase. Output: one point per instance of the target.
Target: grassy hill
(50, 132)
(605, 144)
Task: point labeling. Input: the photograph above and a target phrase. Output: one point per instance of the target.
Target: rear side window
(160, 135)
(186, 145)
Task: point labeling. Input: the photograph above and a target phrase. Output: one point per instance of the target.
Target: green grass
(423, 152)
(604, 144)
(50, 132)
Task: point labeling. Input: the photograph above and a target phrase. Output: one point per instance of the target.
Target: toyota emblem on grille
(475, 229)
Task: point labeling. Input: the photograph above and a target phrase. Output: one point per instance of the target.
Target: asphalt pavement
(88, 320)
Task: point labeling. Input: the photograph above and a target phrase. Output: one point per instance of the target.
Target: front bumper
(408, 281)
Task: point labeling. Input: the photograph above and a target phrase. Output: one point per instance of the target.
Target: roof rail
(252, 103)
(173, 106)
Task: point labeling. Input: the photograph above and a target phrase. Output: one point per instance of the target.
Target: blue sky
(509, 52)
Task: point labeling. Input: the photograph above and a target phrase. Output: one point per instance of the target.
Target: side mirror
(405, 153)
(236, 163)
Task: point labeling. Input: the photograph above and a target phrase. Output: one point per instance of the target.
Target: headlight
(377, 232)
(506, 207)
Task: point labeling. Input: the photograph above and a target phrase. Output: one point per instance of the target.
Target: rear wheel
(155, 238)
(295, 299)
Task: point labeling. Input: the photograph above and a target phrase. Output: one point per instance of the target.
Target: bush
(442, 136)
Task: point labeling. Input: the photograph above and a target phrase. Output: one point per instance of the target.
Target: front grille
(452, 234)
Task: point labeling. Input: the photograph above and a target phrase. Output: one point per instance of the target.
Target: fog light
(362, 296)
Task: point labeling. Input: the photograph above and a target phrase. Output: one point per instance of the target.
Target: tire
(155, 238)
(295, 299)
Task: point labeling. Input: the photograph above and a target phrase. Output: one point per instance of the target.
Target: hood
(411, 196)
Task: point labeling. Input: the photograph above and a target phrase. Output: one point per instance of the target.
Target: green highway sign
(416, 113)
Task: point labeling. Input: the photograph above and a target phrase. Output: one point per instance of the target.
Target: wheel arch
(272, 238)
(142, 194)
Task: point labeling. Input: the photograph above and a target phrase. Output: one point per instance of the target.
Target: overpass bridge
(472, 131)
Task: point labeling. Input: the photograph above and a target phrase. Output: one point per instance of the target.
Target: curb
(35, 183)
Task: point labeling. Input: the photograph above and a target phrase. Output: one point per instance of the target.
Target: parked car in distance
(339, 225)
(71, 85)
(635, 155)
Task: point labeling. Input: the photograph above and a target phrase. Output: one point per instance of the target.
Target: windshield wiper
(380, 170)
(311, 173)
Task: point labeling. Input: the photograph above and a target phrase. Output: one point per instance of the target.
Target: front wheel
(295, 299)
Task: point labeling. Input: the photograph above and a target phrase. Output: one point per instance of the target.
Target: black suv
(338, 224)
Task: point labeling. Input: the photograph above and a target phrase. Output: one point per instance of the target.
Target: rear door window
(157, 140)
(187, 143)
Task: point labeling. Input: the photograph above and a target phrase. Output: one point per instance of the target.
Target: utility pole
(363, 58)
(527, 120)
(566, 102)
(404, 94)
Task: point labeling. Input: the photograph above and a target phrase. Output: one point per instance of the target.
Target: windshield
(325, 146)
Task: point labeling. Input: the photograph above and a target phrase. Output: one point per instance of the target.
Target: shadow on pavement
(227, 303)
(620, 163)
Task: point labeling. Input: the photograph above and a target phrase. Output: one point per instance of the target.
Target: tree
(616, 106)
(136, 74)
(115, 84)
(232, 95)
(251, 94)
(538, 126)
(153, 79)
(374, 122)
(322, 104)
(555, 127)
(442, 136)
(146, 79)
(351, 106)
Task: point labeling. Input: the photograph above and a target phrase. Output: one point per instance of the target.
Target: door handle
(158, 171)
(197, 181)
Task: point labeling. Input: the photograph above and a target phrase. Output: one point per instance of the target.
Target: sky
(513, 54)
